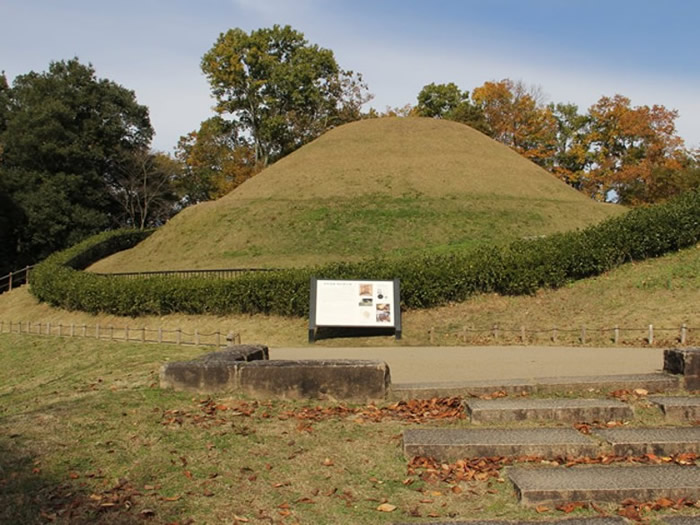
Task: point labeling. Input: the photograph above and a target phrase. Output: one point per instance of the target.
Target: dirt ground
(436, 364)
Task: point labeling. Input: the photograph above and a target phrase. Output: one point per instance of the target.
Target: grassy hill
(383, 186)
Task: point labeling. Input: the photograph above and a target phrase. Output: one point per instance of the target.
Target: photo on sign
(366, 289)
(384, 313)
(366, 301)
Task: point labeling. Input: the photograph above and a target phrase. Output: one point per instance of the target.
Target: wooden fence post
(650, 339)
(97, 330)
(229, 339)
(218, 339)
(522, 334)
(616, 337)
(554, 334)
(143, 334)
(84, 330)
(72, 330)
(111, 332)
(160, 334)
(60, 329)
(583, 335)
(126, 333)
(684, 333)
(196, 337)
(48, 328)
(10, 289)
(179, 335)
(430, 334)
(26, 275)
(495, 332)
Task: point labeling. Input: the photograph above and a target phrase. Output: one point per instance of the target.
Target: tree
(631, 147)
(65, 135)
(280, 89)
(448, 102)
(571, 157)
(215, 159)
(144, 184)
(515, 115)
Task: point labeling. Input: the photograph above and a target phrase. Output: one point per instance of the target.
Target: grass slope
(664, 292)
(382, 186)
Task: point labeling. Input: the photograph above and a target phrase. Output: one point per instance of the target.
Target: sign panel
(355, 304)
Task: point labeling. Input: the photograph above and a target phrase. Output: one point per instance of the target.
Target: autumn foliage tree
(215, 160)
(515, 115)
(631, 148)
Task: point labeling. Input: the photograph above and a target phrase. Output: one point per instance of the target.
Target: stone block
(333, 379)
(685, 362)
(212, 372)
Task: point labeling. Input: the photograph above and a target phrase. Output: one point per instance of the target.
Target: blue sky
(575, 50)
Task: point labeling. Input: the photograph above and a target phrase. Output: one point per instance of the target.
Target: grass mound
(375, 187)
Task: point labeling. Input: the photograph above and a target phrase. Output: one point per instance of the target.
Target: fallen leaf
(240, 519)
(328, 462)
(542, 508)
(386, 507)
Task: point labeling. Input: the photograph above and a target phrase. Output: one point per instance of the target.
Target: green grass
(86, 436)
(387, 186)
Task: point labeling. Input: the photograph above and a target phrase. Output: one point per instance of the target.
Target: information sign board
(354, 304)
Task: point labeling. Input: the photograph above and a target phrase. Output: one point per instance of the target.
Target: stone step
(660, 441)
(450, 444)
(556, 485)
(661, 382)
(569, 410)
(606, 520)
(681, 408)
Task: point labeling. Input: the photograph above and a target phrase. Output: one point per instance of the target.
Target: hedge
(521, 267)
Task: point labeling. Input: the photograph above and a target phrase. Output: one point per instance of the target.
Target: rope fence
(160, 335)
(649, 335)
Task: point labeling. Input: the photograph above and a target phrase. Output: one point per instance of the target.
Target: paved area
(471, 363)
(658, 382)
(605, 483)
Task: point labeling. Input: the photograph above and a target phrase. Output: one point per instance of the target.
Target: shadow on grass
(28, 495)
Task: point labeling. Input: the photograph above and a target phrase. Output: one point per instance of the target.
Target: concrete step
(607, 520)
(450, 444)
(553, 486)
(659, 441)
(569, 410)
(661, 382)
(681, 408)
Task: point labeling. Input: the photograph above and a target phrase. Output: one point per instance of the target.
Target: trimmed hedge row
(519, 268)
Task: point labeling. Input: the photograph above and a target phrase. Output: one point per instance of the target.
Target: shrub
(521, 267)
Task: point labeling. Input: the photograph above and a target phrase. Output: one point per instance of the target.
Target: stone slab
(686, 363)
(607, 520)
(455, 443)
(660, 441)
(557, 485)
(569, 410)
(679, 408)
(330, 379)
(681, 520)
(661, 382)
